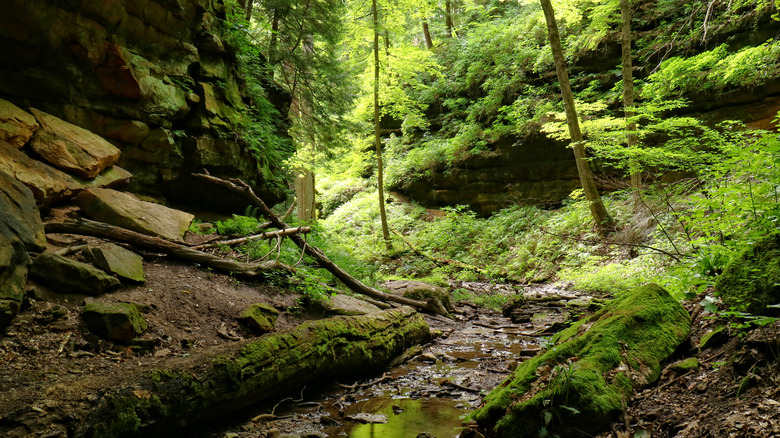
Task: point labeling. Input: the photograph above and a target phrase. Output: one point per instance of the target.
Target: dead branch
(86, 227)
(263, 236)
(351, 282)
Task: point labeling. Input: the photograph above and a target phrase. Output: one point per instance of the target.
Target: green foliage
(238, 226)
(716, 70)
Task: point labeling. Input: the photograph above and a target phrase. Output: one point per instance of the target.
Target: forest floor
(735, 392)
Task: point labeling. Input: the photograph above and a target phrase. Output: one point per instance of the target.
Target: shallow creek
(430, 394)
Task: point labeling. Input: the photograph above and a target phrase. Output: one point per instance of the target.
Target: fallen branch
(351, 282)
(264, 236)
(86, 227)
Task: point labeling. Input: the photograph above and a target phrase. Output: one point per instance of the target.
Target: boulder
(578, 385)
(16, 125)
(127, 211)
(259, 317)
(48, 184)
(421, 291)
(341, 304)
(64, 275)
(117, 260)
(118, 322)
(21, 230)
(751, 282)
(71, 148)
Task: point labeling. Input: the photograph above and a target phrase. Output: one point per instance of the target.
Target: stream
(430, 394)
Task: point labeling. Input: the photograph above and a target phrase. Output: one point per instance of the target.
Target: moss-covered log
(186, 391)
(576, 387)
(264, 368)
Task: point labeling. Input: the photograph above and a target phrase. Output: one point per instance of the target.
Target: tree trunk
(597, 209)
(427, 34)
(272, 44)
(377, 138)
(351, 282)
(628, 99)
(249, 5)
(448, 17)
(106, 231)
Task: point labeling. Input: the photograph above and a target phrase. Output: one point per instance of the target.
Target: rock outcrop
(21, 231)
(16, 125)
(154, 77)
(70, 148)
(126, 211)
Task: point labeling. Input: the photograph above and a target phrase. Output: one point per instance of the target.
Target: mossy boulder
(65, 275)
(118, 322)
(685, 365)
(259, 317)
(751, 281)
(117, 260)
(577, 387)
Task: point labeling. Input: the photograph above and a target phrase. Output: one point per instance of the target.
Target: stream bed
(430, 394)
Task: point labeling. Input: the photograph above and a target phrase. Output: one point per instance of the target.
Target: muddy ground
(734, 393)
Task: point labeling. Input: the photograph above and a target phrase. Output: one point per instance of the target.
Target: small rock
(366, 418)
(259, 317)
(685, 365)
(701, 386)
(341, 304)
(427, 357)
(119, 322)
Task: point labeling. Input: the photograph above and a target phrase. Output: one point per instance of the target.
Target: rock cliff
(153, 77)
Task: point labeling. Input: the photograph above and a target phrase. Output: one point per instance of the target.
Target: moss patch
(751, 282)
(259, 317)
(577, 387)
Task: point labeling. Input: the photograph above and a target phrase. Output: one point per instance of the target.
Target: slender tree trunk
(377, 139)
(427, 33)
(248, 9)
(597, 209)
(272, 46)
(448, 17)
(628, 98)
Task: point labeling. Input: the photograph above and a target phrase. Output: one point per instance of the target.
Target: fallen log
(87, 227)
(220, 382)
(264, 236)
(351, 282)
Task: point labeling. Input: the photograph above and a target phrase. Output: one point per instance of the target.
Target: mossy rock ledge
(226, 379)
(751, 281)
(576, 387)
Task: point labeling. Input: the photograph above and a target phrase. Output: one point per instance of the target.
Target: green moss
(686, 365)
(119, 322)
(578, 385)
(751, 282)
(260, 317)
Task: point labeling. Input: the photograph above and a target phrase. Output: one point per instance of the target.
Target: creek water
(431, 394)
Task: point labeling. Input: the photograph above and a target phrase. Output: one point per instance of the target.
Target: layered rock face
(532, 171)
(153, 77)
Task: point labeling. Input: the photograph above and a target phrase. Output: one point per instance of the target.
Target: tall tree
(628, 95)
(597, 209)
(377, 138)
(427, 35)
